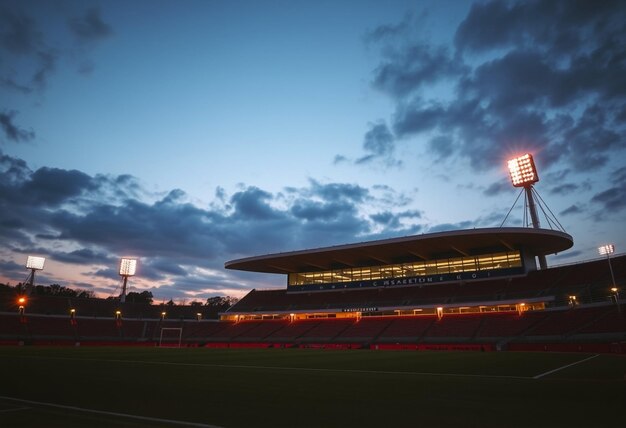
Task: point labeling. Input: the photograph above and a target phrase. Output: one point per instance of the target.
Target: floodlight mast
(607, 250)
(33, 263)
(524, 174)
(127, 268)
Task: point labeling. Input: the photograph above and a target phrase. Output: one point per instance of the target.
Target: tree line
(220, 303)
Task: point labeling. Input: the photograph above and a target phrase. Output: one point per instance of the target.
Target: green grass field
(159, 387)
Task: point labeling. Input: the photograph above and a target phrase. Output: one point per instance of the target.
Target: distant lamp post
(439, 312)
(21, 303)
(615, 292)
(199, 315)
(34, 263)
(572, 300)
(118, 314)
(128, 267)
(163, 314)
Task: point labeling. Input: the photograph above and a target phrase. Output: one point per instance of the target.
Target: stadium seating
(595, 319)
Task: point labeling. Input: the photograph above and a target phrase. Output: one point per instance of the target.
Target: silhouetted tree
(144, 297)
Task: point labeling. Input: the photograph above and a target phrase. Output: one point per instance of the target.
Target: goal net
(171, 337)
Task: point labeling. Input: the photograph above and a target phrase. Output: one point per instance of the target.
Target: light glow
(605, 250)
(21, 300)
(522, 170)
(34, 262)
(128, 267)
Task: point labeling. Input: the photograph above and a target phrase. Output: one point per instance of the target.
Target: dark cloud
(564, 189)
(84, 256)
(13, 132)
(379, 144)
(339, 159)
(443, 227)
(442, 146)
(27, 44)
(320, 211)
(339, 191)
(411, 68)
(546, 76)
(90, 26)
(387, 31)
(557, 27)
(104, 218)
(53, 186)
(394, 221)
(614, 198)
(498, 187)
(253, 204)
(572, 209)
(19, 34)
(24, 44)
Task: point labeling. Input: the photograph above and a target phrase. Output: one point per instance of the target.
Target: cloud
(379, 144)
(556, 27)
(564, 189)
(32, 60)
(29, 43)
(498, 187)
(546, 76)
(387, 31)
(572, 209)
(13, 132)
(395, 221)
(91, 221)
(19, 34)
(90, 26)
(409, 69)
(443, 227)
(613, 199)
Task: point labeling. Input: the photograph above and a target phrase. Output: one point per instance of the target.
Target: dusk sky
(189, 133)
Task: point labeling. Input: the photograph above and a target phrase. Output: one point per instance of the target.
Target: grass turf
(309, 388)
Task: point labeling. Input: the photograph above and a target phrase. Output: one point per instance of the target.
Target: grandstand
(520, 308)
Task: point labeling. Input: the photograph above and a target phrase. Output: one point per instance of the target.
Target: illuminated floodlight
(128, 267)
(34, 262)
(605, 250)
(522, 170)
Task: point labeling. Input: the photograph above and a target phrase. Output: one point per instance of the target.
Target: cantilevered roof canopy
(458, 243)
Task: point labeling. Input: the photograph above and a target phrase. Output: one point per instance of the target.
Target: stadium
(475, 289)
(460, 295)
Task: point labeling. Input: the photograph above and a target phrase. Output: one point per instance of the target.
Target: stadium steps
(580, 328)
(539, 321)
(422, 336)
(380, 333)
(478, 328)
(294, 330)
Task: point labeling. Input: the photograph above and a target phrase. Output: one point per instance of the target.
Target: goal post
(173, 336)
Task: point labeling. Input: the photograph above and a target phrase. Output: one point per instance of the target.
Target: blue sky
(189, 133)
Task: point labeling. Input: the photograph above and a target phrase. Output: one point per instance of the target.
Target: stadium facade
(387, 277)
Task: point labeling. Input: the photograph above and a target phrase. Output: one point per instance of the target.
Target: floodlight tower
(524, 174)
(33, 263)
(128, 268)
(607, 250)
